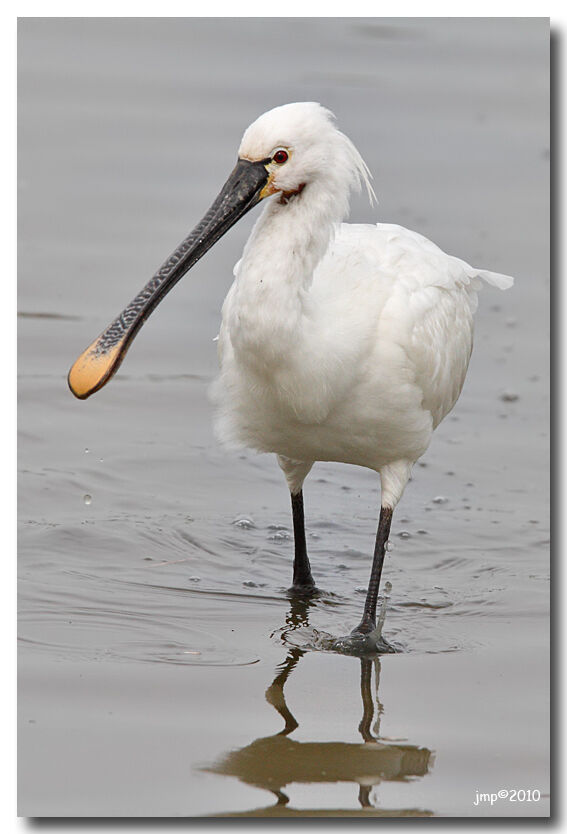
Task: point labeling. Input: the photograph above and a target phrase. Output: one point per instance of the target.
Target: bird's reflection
(277, 761)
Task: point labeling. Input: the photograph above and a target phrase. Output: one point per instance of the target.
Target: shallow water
(163, 670)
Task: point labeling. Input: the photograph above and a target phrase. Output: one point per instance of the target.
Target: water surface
(163, 670)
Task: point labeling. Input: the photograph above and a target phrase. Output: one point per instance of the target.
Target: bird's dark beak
(244, 188)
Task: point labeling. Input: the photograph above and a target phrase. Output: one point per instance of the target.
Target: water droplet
(403, 534)
(509, 397)
(422, 532)
(87, 451)
(249, 584)
(87, 499)
(194, 579)
(440, 499)
(383, 606)
(389, 546)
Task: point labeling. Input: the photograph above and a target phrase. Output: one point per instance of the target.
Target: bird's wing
(425, 302)
(429, 264)
(441, 295)
(440, 344)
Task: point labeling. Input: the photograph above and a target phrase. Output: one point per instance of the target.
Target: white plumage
(338, 342)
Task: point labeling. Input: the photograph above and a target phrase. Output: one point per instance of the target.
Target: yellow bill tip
(92, 370)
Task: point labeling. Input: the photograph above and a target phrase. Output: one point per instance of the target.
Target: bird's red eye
(280, 157)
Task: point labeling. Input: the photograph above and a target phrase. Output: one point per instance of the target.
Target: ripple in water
(359, 645)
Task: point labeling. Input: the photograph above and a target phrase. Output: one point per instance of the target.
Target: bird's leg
(368, 622)
(302, 579)
(366, 637)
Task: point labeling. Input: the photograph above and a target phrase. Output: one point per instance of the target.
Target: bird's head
(299, 145)
(287, 150)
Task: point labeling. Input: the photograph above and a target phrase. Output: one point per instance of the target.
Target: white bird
(338, 342)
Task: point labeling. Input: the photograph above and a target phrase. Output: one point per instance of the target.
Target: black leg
(368, 622)
(302, 579)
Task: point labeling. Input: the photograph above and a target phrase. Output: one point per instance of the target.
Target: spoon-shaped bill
(100, 361)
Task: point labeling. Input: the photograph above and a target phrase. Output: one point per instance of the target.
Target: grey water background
(159, 657)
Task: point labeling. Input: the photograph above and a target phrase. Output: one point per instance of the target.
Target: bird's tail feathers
(496, 279)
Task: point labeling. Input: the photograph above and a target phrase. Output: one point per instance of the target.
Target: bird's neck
(272, 286)
(293, 232)
(289, 239)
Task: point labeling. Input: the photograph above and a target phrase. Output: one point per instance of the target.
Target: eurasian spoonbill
(338, 342)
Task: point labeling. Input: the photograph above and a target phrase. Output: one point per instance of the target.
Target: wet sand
(160, 659)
